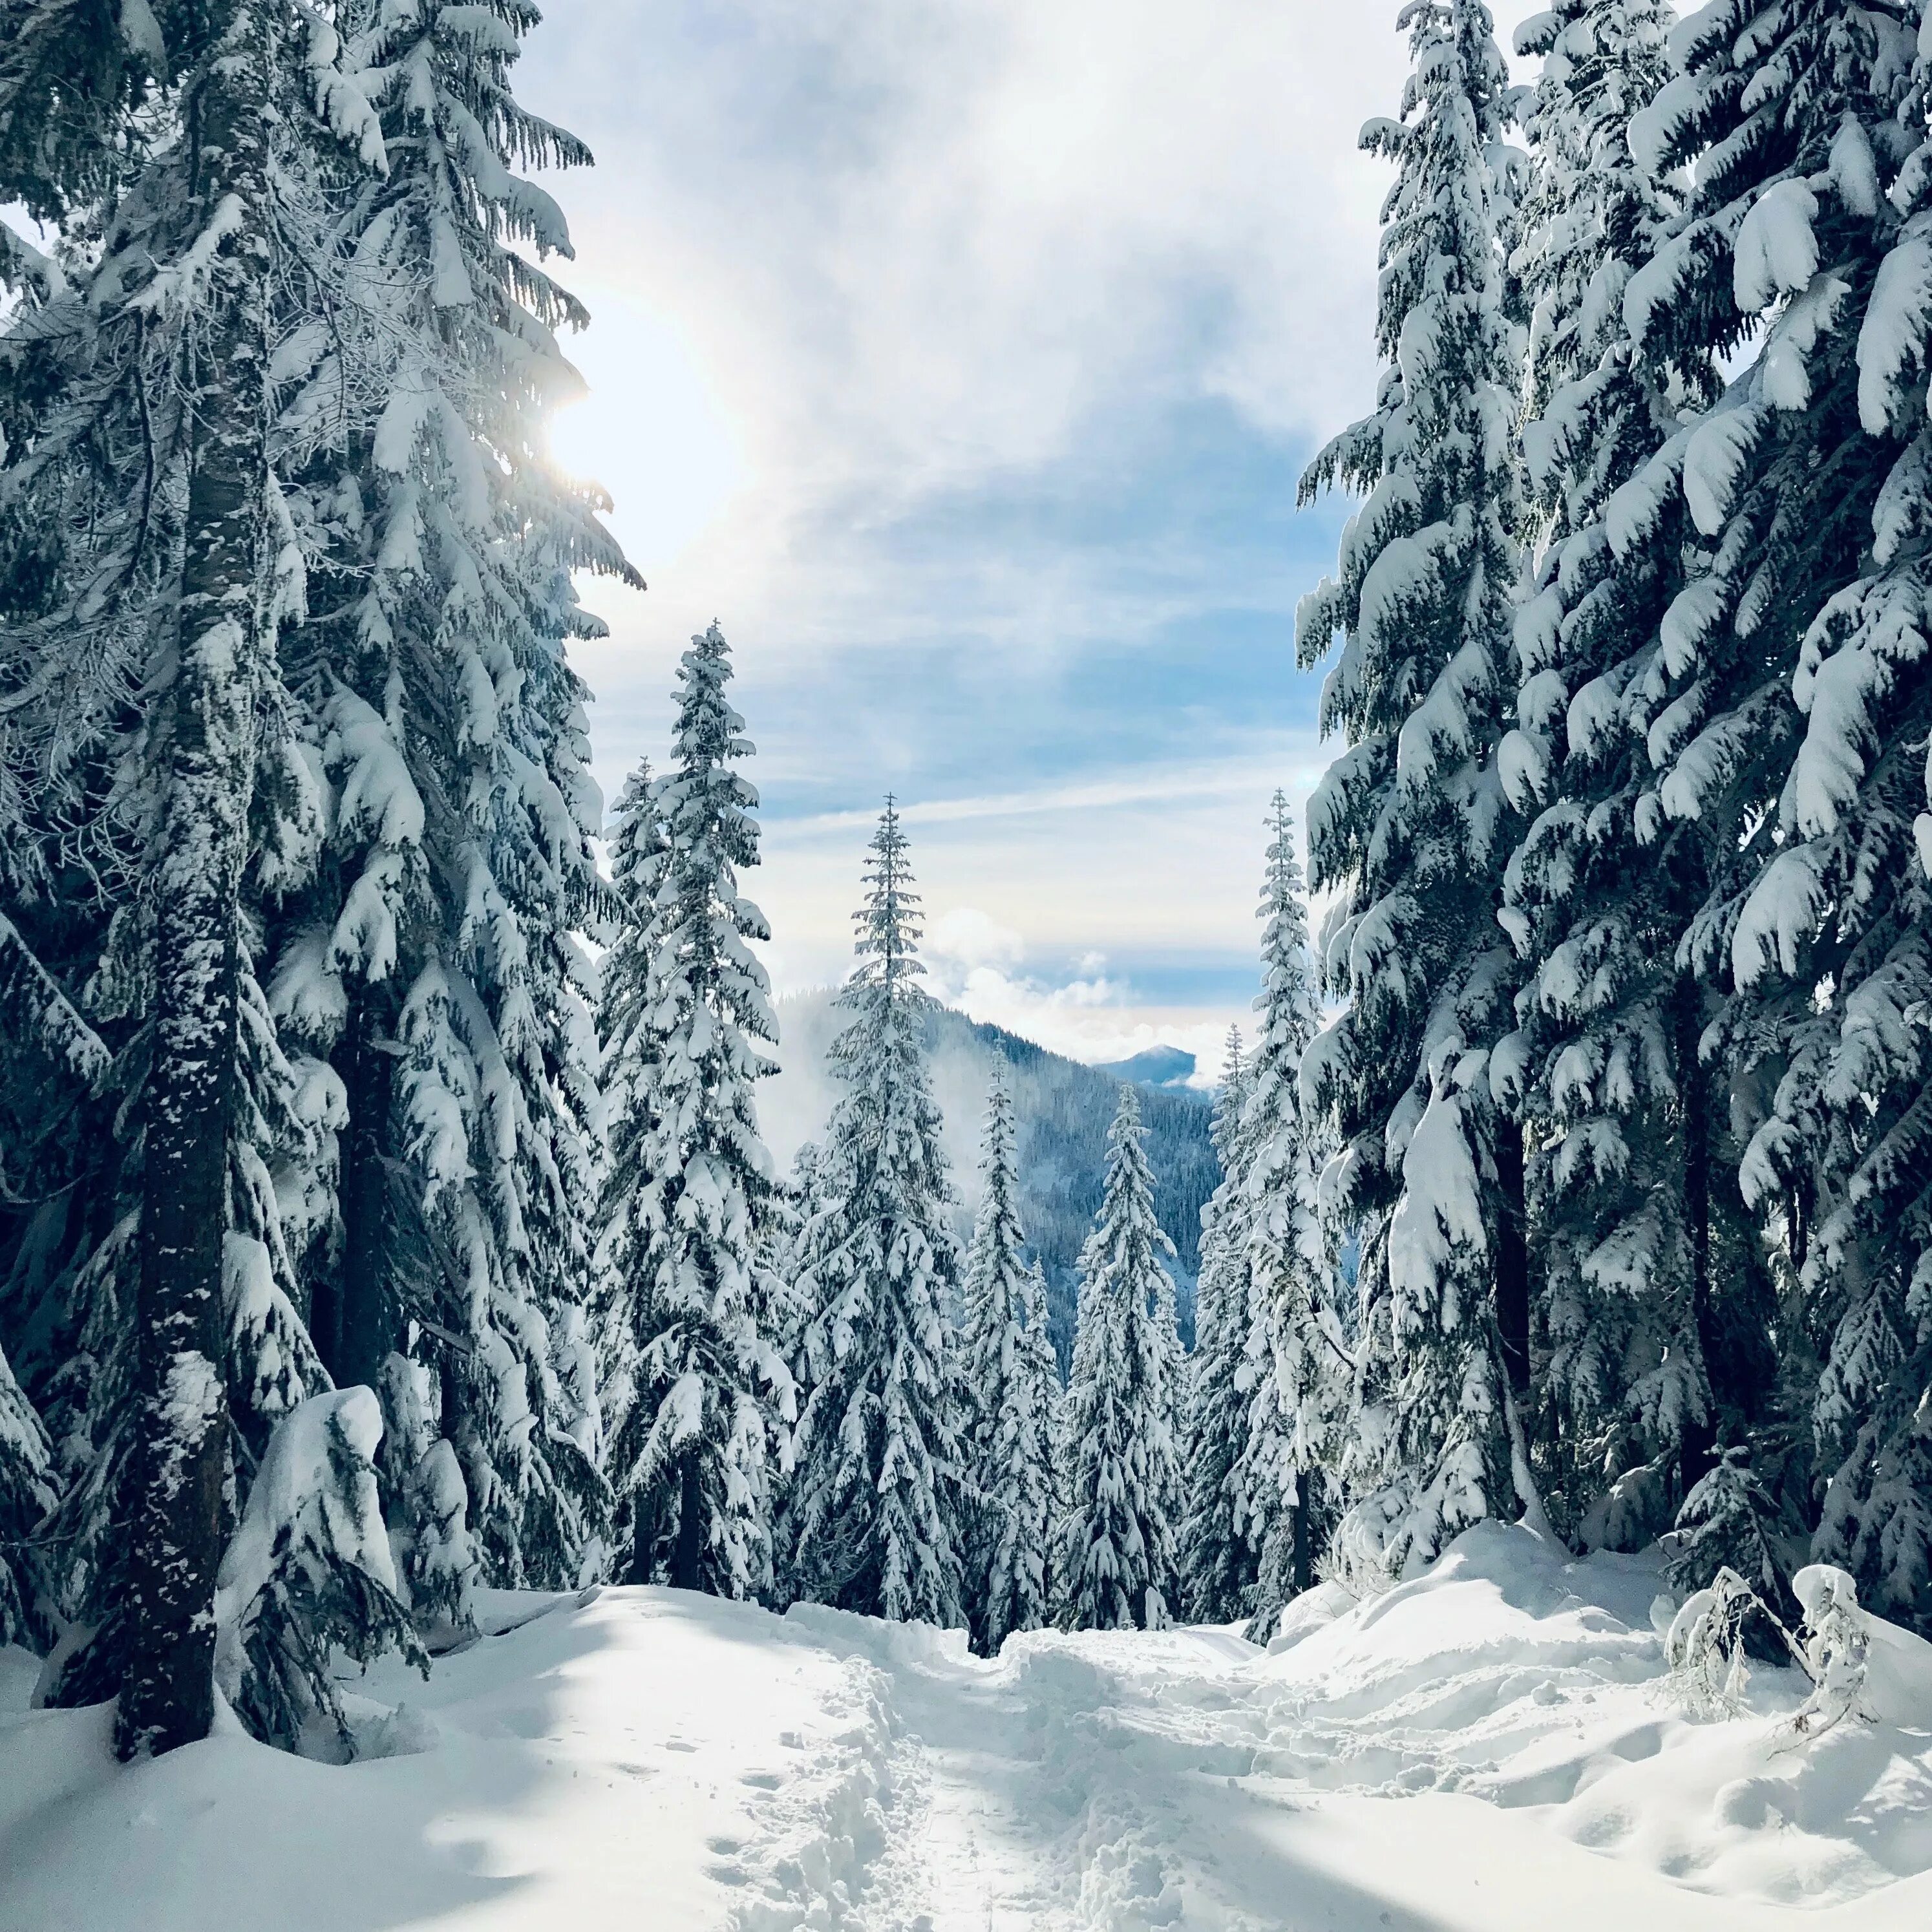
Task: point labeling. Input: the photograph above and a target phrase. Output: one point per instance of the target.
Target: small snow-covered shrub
(1730, 1523)
(1837, 1648)
(309, 1571)
(436, 1562)
(1704, 1646)
(1358, 1557)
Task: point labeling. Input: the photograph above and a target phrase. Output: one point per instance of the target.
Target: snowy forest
(386, 1221)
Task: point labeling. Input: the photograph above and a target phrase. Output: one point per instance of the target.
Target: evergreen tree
(637, 850)
(1605, 1060)
(26, 1494)
(1830, 952)
(1292, 1349)
(1115, 1563)
(148, 701)
(1010, 1380)
(1759, 732)
(230, 759)
(459, 866)
(1217, 1558)
(874, 1505)
(1410, 825)
(795, 1210)
(691, 1179)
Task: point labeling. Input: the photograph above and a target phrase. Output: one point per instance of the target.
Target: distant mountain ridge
(1158, 1066)
(1064, 1109)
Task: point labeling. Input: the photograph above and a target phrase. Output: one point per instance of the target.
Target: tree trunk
(644, 1540)
(1699, 1452)
(206, 777)
(1512, 1261)
(1304, 1559)
(686, 1563)
(367, 1331)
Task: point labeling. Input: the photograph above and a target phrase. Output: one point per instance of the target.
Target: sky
(960, 360)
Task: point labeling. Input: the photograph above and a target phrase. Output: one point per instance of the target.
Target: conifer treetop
(890, 923)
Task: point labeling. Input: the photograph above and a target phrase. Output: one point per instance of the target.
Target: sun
(652, 430)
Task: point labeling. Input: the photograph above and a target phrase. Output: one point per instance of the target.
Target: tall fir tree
(459, 867)
(1411, 827)
(1604, 1063)
(637, 849)
(1859, 1094)
(1216, 1556)
(201, 390)
(1793, 700)
(1010, 1380)
(875, 1502)
(1293, 1351)
(693, 1448)
(1793, 123)
(145, 354)
(1115, 1566)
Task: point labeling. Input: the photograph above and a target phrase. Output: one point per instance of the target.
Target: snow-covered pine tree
(1009, 1404)
(874, 1505)
(636, 846)
(1115, 1560)
(26, 1494)
(203, 776)
(1035, 1456)
(692, 1454)
(799, 1205)
(1847, 1145)
(1410, 825)
(459, 868)
(1604, 1063)
(145, 672)
(1216, 1558)
(1758, 728)
(136, 430)
(1294, 1349)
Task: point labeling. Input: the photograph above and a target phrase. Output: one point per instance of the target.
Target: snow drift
(1495, 1745)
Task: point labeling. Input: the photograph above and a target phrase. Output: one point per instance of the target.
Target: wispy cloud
(1248, 779)
(962, 361)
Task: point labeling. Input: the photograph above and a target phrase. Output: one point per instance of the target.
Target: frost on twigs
(1837, 1649)
(1705, 1649)
(1704, 1646)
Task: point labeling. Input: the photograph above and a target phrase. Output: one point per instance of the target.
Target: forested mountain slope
(1064, 1109)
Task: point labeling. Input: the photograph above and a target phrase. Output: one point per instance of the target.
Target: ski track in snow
(1488, 1749)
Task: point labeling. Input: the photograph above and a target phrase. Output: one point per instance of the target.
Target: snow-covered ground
(1492, 1747)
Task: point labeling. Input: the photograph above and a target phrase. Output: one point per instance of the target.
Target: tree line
(364, 1237)
(1629, 842)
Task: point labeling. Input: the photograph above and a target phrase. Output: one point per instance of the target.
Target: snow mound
(626, 1758)
(1512, 1674)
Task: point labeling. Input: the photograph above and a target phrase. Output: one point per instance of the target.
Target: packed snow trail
(1492, 1749)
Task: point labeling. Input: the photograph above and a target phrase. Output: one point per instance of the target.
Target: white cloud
(853, 262)
(965, 939)
(848, 254)
(1138, 870)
